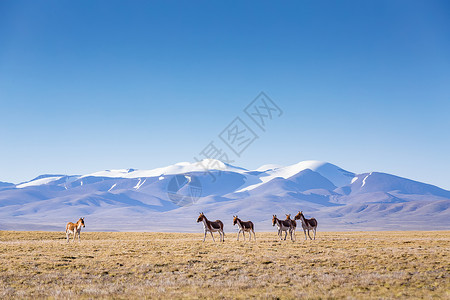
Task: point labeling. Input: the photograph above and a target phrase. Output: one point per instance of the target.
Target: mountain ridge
(143, 199)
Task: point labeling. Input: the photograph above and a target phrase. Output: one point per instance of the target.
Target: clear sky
(93, 85)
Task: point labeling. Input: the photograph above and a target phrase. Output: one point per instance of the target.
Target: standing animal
(293, 223)
(244, 227)
(307, 224)
(212, 226)
(74, 228)
(282, 225)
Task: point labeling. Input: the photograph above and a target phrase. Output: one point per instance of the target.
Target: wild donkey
(74, 228)
(211, 227)
(283, 225)
(307, 224)
(244, 227)
(293, 225)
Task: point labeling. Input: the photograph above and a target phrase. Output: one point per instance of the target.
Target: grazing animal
(307, 224)
(282, 225)
(293, 223)
(74, 228)
(211, 227)
(244, 227)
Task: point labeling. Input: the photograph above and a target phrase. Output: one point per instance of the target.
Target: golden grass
(178, 265)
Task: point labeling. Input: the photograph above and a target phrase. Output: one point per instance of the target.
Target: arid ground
(175, 265)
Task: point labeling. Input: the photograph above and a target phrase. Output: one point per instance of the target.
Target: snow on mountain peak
(178, 168)
(40, 181)
(336, 175)
(333, 173)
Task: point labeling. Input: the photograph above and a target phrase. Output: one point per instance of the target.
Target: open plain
(407, 264)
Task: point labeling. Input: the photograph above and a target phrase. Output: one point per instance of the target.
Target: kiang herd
(287, 225)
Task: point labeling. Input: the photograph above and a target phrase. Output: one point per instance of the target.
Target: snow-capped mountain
(137, 200)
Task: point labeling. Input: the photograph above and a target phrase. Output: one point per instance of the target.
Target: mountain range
(170, 199)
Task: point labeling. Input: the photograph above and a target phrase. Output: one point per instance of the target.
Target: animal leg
(67, 235)
(204, 236)
(213, 236)
(285, 235)
(254, 236)
(239, 232)
(309, 235)
(304, 230)
(314, 233)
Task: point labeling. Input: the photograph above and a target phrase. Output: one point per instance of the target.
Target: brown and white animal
(211, 227)
(282, 225)
(244, 227)
(74, 228)
(293, 225)
(307, 224)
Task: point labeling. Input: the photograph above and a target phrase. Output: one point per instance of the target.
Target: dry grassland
(174, 265)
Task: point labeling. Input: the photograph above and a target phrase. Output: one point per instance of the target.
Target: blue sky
(93, 85)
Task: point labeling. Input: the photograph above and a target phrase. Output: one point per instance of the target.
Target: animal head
(200, 218)
(81, 220)
(235, 220)
(274, 220)
(288, 216)
(299, 215)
